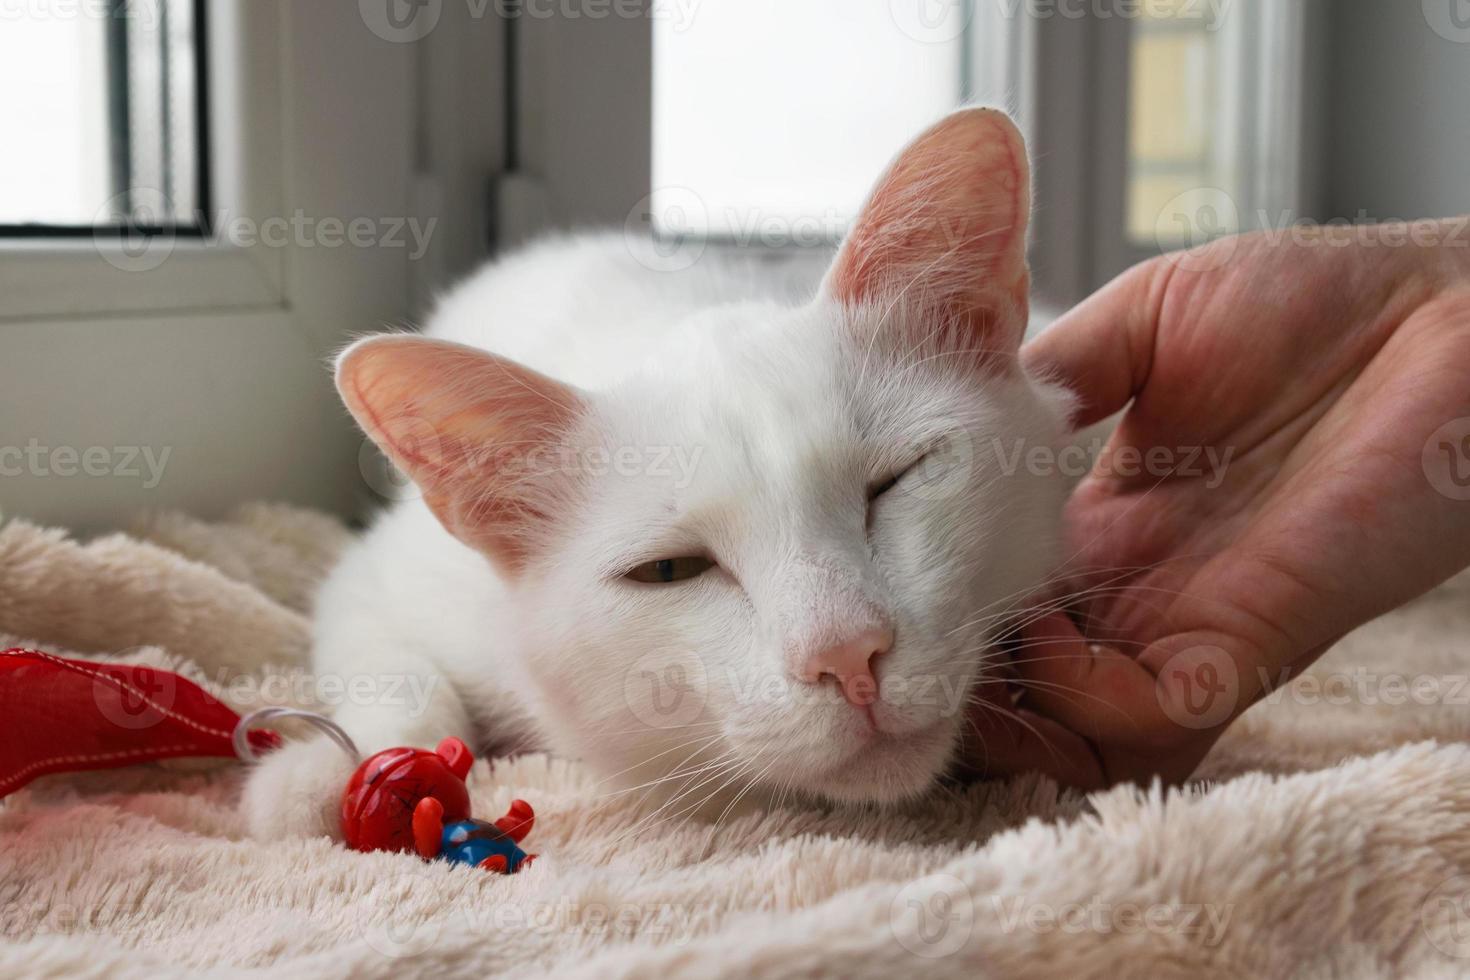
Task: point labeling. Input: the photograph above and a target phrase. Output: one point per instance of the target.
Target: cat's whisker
(1044, 685)
(750, 784)
(678, 773)
(1060, 601)
(731, 760)
(644, 729)
(742, 774)
(682, 775)
(669, 777)
(734, 770)
(1064, 604)
(1014, 716)
(700, 741)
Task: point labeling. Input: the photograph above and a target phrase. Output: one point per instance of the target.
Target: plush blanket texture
(1330, 835)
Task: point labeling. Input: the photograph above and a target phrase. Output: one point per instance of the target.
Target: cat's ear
(944, 232)
(478, 434)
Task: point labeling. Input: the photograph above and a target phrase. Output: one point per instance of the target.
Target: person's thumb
(1102, 349)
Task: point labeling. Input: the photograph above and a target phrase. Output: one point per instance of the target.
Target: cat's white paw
(296, 791)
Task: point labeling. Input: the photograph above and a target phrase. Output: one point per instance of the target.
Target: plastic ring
(241, 735)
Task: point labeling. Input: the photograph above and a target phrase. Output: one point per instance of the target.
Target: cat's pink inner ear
(945, 229)
(472, 430)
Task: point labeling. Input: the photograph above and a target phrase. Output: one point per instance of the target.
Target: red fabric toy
(60, 715)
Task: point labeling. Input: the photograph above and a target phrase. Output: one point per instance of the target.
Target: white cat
(699, 526)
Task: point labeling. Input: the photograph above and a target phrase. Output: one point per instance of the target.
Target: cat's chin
(888, 769)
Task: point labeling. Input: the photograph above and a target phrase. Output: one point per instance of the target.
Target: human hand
(1333, 372)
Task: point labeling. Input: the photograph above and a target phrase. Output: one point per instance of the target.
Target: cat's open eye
(671, 569)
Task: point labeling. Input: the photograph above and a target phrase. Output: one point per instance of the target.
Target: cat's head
(779, 554)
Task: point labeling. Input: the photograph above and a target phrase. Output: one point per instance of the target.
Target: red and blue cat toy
(409, 799)
(68, 715)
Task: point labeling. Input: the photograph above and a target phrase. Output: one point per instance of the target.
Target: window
(1199, 126)
(756, 156)
(104, 117)
(1153, 124)
(1179, 123)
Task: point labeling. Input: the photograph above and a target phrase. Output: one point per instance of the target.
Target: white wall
(1398, 142)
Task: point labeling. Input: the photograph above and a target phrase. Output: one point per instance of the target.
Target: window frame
(57, 272)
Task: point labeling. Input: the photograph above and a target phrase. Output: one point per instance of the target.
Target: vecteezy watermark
(405, 21)
(1197, 230)
(932, 917)
(144, 695)
(1199, 688)
(138, 231)
(1210, 12)
(1207, 463)
(1364, 231)
(1445, 917)
(670, 690)
(36, 459)
(1204, 922)
(139, 699)
(666, 691)
(1450, 19)
(944, 21)
(674, 466)
(1365, 687)
(1446, 459)
(145, 12)
(1192, 227)
(932, 21)
(944, 471)
(410, 693)
(21, 919)
(388, 923)
(752, 226)
(667, 230)
(927, 690)
(135, 230)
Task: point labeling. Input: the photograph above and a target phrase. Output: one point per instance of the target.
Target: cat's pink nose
(850, 662)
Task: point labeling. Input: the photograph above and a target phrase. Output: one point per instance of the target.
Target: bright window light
(761, 154)
(99, 107)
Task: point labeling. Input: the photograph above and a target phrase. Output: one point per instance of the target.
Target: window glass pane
(772, 119)
(99, 106)
(1176, 153)
(53, 112)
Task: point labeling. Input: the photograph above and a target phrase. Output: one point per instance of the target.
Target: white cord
(241, 736)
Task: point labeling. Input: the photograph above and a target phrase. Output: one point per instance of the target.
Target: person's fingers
(1091, 688)
(1102, 349)
(1177, 695)
(1003, 740)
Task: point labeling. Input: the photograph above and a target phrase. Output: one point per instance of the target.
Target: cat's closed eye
(667, 570)
(879, 489)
